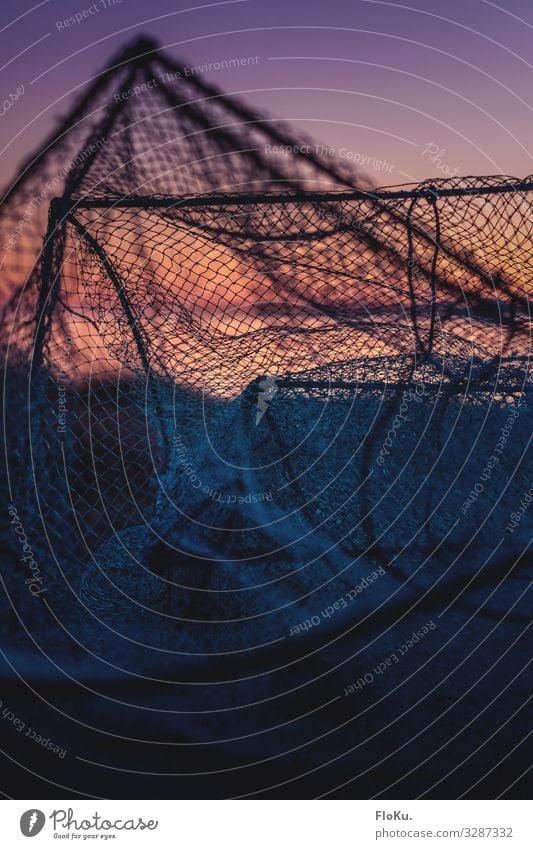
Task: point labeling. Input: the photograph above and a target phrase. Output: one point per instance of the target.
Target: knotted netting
(184, 265)
(238, 325)
(240, 382)
(145, 124)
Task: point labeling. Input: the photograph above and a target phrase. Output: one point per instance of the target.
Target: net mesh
(265, 426)
(200, 290)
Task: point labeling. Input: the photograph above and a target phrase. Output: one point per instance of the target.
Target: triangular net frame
(265, 426)
(192, 251)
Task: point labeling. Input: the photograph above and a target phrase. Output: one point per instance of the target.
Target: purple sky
(378, 80)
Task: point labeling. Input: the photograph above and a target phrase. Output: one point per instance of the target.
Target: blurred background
(404, 91)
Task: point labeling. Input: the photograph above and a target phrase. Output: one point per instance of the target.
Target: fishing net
(332, 297)
(239, 378)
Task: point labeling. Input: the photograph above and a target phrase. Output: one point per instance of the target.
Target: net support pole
(52, 255)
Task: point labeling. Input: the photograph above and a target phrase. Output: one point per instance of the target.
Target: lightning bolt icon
(267, 390)
(33, 820)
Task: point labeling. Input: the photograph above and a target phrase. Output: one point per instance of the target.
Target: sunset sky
(424, 89)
